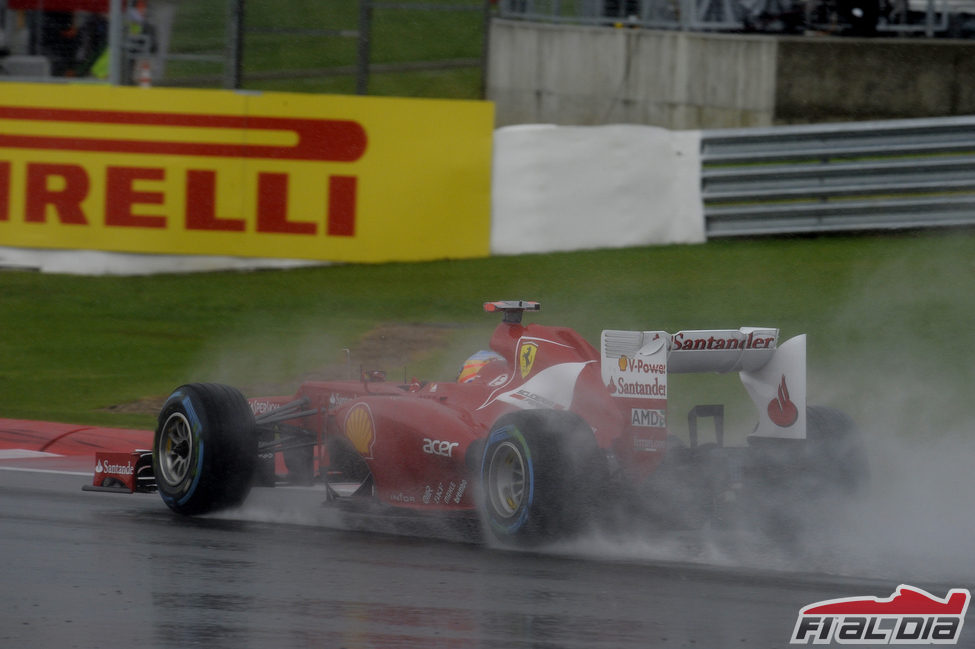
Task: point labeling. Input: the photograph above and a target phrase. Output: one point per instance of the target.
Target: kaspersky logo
(909, 616)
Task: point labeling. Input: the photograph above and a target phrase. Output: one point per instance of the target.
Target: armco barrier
(272, 175)
(834, 177)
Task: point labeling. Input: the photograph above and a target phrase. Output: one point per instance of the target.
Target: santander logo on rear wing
(635, 365)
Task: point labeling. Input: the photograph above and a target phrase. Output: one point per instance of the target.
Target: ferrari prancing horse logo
(526, 358)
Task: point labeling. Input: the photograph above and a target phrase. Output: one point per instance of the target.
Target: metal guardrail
(835, 177)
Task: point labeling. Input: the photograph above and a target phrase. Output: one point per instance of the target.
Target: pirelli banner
(321, 177)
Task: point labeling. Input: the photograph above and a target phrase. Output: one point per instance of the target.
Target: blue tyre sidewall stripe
(496, 437)
(196, 426)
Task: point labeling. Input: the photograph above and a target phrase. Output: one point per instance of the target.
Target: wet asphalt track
(85, 569)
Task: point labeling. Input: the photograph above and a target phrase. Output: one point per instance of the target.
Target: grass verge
(888, 319)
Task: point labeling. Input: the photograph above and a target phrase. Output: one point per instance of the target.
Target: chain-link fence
(406, 48)
(944, 18)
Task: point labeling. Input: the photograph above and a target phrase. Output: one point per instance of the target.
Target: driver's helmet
(473, 365)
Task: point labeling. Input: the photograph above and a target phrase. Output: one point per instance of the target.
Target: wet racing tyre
(796, 486)
(838, 460)
(205, 449)
(542, 474)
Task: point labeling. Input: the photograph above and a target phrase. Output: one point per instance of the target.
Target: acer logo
(437, 447)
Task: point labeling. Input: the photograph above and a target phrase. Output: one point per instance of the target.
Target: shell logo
(361, 430)
(623, 363)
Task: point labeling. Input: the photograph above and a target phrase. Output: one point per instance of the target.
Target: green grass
(398, 35)
(888, 318)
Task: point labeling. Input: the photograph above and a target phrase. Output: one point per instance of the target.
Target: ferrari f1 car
(534, 440)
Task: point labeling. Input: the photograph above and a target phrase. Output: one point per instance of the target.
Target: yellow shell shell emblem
(360, 430)
(526, 358)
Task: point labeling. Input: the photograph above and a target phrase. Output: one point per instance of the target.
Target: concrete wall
(840, 79)
(571, 75)
(575, 75)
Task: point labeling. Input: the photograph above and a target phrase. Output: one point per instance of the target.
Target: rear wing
(635, 365)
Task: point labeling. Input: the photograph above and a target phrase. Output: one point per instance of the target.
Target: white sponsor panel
(722, 350)
(552, 387)
(634, 363)
(778, 390)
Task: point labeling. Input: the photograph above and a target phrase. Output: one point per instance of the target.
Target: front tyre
(541, 476)
(204, 452)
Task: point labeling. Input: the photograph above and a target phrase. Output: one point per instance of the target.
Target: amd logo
(648, 418)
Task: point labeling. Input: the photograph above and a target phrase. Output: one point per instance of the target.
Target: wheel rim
(175, 444)
(506, 479)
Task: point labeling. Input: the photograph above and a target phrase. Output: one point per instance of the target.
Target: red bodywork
(422, 442)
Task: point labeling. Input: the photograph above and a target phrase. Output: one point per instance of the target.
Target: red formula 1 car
(536, 437)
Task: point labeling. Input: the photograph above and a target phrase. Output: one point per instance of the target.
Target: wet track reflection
(99, 570)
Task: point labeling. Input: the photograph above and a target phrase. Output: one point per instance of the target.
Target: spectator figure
(58, 40)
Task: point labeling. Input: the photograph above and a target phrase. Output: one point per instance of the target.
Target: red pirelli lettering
(65, 200)
(201, 204)
(59, 191)
(341, 206)
(120, 196)
(4, 191)
(272, 206)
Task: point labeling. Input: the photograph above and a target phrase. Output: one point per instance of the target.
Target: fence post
(116, 42)
(233, 68)
(485, 47)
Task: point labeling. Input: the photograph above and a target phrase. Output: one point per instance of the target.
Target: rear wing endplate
(635, 365)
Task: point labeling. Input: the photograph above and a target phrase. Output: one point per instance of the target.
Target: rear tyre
(205, 449)
(798, 485)
(542, 474)
(837, 459)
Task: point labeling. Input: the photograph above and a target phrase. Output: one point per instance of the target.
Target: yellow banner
(323, 177)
